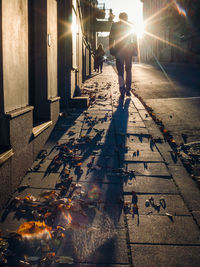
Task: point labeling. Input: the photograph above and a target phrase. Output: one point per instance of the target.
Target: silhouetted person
(99, 57)
(123, 45)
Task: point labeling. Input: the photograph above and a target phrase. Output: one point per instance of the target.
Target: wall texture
(52, 47)
(15, 53)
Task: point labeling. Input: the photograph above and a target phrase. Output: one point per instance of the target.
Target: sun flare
(139, 29)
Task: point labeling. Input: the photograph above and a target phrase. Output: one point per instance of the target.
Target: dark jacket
(99, 55)
(122, 40)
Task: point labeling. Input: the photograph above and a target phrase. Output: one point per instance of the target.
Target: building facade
(168, 37)
(45, 55)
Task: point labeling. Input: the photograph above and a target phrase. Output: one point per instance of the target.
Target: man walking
(123, 45)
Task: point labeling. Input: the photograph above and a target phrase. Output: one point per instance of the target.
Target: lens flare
(94, 193)
(181, 10)
(67, 217)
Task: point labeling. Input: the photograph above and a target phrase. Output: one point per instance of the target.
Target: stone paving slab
(165, 256)
(46, 167)
(96, 176)
(10, 220)
(96, 139)
(87, 150)
(153, 185)
(158, 229)
(137, 103)
(39, 180)
(133, 131)
(148, 169)
(142, 147)
(154, 130)
(196, 215)
(98, 265)
(141, 156)
(187, 186)
(99, 114)
(170, 157)
(107, 193)
(145, 115)
(129, 140)
(174, 204)
(120, 113)
(94, 131)
(68, 117)
(132, 116)
(61, 135)
(100, 161)
(107, 126)
(125, 125)
(100, 107)
(107, 245)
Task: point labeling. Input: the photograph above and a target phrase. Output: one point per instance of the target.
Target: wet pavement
(108, 183)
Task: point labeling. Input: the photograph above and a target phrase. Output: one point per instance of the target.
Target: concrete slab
(62, 134)
(133, 131)
(174, 204)
(107, 193)
(47, 166)
(157, 229)
(39, 180)
(100, 161)
(107, 140)
(98, 175)
(169, 156)
(105, 125)
(196, 215)
(108, 245)
(142, 147)
(10, 219)
(148, 169)
(94, 130)
(147, 255)
(121, 112)
(132, 116)
(152, 185)
(141, 156)
(144, 115)
(101, 149)
(130, 140)
(100, 114)
(129, 124)
(137, 103)
(99, 107)
(153, 129)
(97, 265)
(187, 187)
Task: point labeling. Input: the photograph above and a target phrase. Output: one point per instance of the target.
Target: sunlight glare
(135, 14)
(139, 29)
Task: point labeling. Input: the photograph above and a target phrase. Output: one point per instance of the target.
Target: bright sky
(132, 7)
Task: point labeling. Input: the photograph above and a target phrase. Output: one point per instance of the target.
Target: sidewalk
(109, 189)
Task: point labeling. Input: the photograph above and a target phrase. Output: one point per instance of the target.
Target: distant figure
(123, 45)
(99, 57)
(111, 15)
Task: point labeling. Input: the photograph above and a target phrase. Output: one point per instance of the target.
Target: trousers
(124, 60)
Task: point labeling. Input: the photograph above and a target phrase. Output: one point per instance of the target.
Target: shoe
(128, 93)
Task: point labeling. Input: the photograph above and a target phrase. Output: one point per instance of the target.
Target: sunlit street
(99, 133)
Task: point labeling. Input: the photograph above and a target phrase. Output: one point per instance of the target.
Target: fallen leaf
(65, 259)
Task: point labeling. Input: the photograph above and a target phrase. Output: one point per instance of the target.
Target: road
(174, 94)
